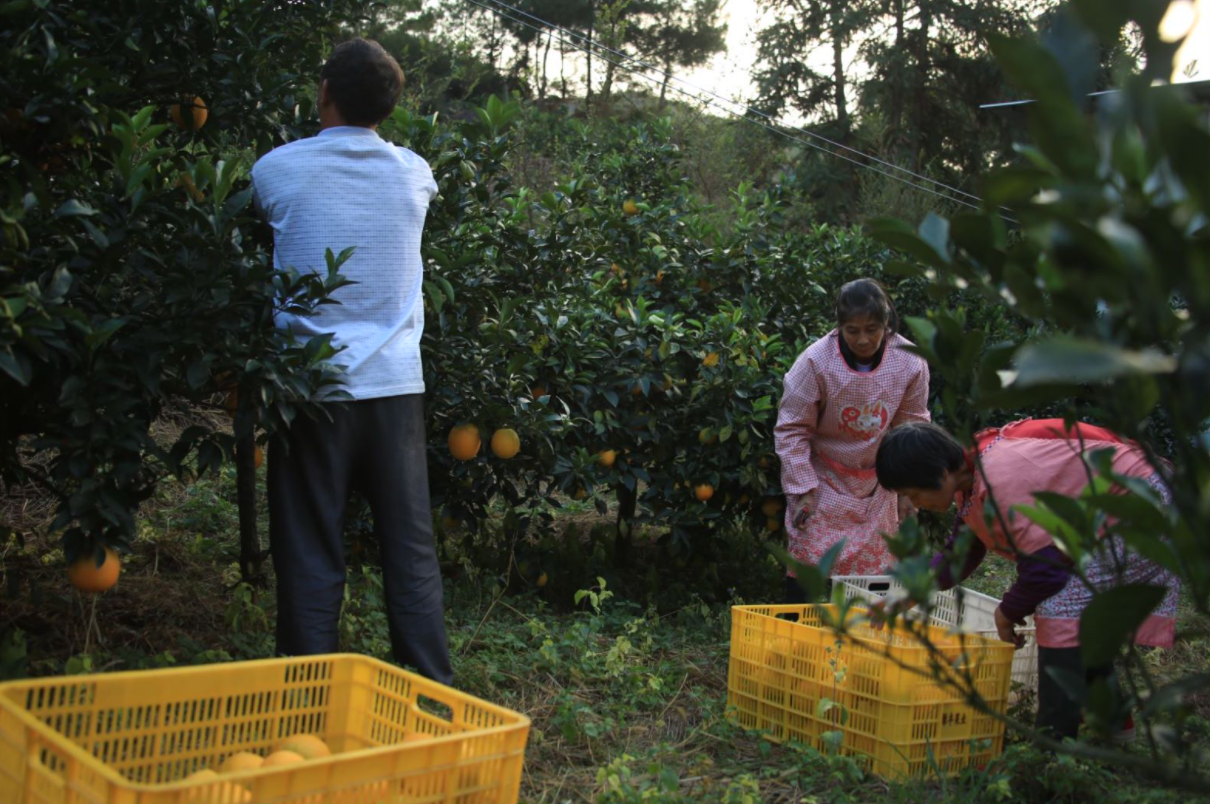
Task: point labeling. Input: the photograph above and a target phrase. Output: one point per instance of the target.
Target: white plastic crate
(977, 616)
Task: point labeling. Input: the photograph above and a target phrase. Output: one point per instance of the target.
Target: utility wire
(747, 109)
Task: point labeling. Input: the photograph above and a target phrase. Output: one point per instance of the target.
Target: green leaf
(72, 207)
(1112, 618)
(935, 231)
(1064, 360)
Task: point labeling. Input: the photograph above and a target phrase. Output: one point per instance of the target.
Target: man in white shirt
(349, 187)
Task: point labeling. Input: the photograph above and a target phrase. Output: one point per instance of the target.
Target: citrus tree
(132, 275)
(1111, 268)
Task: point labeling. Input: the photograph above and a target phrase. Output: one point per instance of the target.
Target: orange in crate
(137, 737)
(878, 695)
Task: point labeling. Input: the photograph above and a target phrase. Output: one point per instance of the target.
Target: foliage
(131, 272)
(1110, 265)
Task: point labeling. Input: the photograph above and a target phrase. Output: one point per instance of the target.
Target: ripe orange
(506, 443)
(195, 120)
(703, 492)
(86, 576)
(710, 360)
(772, 525)
(279, 758)
(308, 746)
(659, 278)
(542, 579)
(464, 442)
(241, 761)
(705, 436)
(630, 208)
(538, 391)
(771, 507)
(607, 457)
(258, 458)
(579, 494)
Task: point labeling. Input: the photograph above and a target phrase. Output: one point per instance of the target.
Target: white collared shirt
(349, 187)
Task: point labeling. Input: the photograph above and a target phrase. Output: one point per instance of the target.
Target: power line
(747, 109)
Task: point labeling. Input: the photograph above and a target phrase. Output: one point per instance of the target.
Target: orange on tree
(607, 457)
(542, 580)
(580, 493)
(772, 525)
(659, 278)
(703, 492)
(308, 746)
(258, 458)
(506, 443)
(629, 207)
(86, 576)
(241, 761)
(538, 391)
(710, 360)
(771, 507)
(707, 436)
(465, 442)
(195, 120)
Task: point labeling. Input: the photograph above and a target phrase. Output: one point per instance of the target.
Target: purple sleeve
(1039, 575)
(942, 564)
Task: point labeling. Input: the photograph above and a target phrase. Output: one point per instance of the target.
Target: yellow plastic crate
(888, 707)
(133, 737)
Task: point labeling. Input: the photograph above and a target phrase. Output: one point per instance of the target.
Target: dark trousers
(375, 447)
(1058, 714)
(795, 595)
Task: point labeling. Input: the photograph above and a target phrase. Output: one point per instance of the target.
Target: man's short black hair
(916, 456)
(364, 81)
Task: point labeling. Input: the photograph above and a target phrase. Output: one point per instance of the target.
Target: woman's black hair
(364, 81)
(916, 456)
(865, 297)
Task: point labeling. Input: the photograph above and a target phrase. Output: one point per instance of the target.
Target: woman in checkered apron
(842, 394)
(1012, 464)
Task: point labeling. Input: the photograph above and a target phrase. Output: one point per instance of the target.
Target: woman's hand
(801, 508)
(1007, 630)
(906, 509)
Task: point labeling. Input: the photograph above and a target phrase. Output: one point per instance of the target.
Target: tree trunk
(563, 68)
(623, 549)
(921, 94)
(592, 23)
(896, 120)
(667, 77)
(842, 108)
(245, 491)
(545, 58)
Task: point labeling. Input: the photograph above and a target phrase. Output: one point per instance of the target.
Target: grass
(627, 698)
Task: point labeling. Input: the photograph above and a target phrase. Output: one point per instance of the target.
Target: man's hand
(906, 509)
(801, 508)
(1007, 630)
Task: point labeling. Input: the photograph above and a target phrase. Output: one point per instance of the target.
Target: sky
(727, 76)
